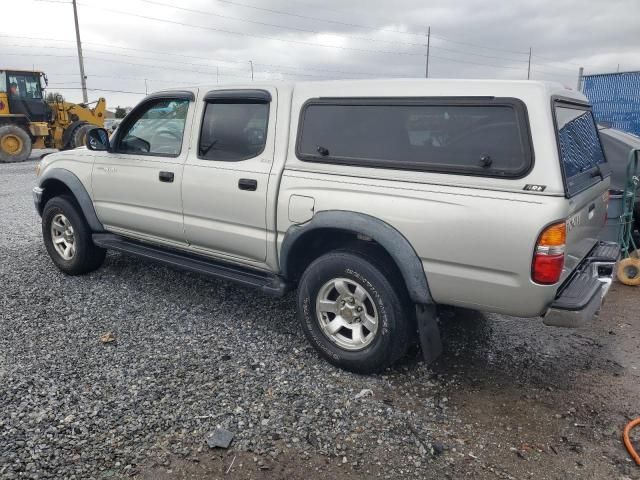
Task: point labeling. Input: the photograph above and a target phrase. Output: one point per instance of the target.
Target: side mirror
(98, 140)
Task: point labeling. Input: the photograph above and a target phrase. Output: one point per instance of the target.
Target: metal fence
(615, 98)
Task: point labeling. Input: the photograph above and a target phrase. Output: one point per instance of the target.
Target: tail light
(548, 258)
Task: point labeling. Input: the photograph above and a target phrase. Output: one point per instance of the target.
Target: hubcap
(63, 236)
(346, 314)
(11, 144)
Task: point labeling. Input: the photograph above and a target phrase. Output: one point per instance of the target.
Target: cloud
(145, 45)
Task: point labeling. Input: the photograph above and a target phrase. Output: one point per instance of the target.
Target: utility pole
(217, 74)
(529, 67)
(580, 76)
(251, 63)
(83, 78)
(426, 70)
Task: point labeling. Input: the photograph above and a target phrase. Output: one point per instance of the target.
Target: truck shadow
(502, 350)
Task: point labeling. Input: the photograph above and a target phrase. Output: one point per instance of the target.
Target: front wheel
(15, 144)
(67, 237)
(355, 311)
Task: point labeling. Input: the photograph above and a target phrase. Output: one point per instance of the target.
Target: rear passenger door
(224, 187)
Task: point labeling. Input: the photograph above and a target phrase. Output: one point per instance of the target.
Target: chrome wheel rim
(347, 314)
(63, 236)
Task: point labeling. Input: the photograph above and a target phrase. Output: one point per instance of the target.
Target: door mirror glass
(98, 140)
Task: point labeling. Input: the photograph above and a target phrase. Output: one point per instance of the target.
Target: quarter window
(482, 138)
(233, 130)
(580, 147)
(156, 130)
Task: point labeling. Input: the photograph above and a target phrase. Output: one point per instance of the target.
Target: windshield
(580, 148)
(24, 85)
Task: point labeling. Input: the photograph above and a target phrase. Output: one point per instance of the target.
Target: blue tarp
(616, 99)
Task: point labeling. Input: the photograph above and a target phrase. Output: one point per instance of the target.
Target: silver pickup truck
(377, 199)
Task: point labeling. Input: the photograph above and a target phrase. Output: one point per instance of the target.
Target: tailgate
(585, 221)
(586, 178)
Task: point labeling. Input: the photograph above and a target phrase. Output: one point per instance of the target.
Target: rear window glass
(580, 148)
(483, 139)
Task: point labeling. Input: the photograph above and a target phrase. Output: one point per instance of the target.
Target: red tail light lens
(548, 258)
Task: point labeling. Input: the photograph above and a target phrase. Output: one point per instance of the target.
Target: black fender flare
(80, 193)
(396, 245)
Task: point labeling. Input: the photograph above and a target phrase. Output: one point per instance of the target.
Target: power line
(284, 27)
(445, 39)
(290, 67)
(350, 24)
(298, 41)
(283, 66)
(244, 34)
(317, 32)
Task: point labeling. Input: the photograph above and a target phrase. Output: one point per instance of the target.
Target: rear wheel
(354, 311)
(15, 144)
(67, 237)
(629, 271)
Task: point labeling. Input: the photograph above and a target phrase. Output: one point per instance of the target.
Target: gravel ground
(509, 399)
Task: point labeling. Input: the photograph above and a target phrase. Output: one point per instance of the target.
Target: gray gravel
(191, 355)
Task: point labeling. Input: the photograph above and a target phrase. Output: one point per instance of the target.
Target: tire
(76, 253)
(629, 271)
(353, 346)
(15, 144)
(79, 135)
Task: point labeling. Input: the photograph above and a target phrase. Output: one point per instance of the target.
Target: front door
(224, 187)
(136, 186)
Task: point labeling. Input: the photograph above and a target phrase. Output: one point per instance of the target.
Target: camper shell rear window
(485, 136)
(579, 147)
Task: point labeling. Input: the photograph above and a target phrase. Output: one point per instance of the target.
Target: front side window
(25, 85)
(233, 130)
(483, 139)
(156, 130)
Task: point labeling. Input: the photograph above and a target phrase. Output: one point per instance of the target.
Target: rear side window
(478, 136)
(579, 144)
(233, 130)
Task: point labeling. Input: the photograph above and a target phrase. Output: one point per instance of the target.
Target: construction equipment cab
(379, 200)
(27, 121)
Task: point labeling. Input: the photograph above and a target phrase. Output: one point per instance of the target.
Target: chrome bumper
(579, 300)
(37, 198)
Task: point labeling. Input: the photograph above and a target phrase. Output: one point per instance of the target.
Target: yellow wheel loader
(27, 121)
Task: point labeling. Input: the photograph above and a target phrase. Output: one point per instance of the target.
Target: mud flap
(429, 332)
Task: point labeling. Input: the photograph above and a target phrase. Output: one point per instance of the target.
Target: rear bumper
(579, 299)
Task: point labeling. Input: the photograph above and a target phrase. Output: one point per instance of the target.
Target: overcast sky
(209, 41)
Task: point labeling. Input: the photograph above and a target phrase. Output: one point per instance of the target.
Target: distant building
(616, 99)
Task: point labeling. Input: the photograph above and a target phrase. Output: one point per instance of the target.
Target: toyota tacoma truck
(378, 200)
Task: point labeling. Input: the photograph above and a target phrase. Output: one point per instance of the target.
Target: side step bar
(268, 283)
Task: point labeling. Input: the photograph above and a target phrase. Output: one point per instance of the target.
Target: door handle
(165, 177)
(247, 184)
